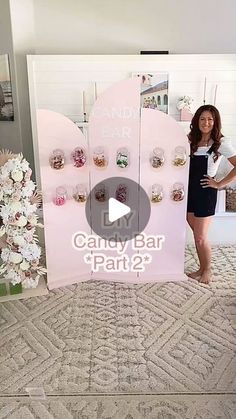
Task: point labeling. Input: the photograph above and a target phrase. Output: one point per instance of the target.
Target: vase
(15, 289)
(3, 289)
(7, 288)
(185, 115)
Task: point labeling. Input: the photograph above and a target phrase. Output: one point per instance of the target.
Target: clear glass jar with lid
(78, 157)
(80, 193)
(121, 193)
(157, 193)
(57, 159)
(180, 156)
(99, 157)
(157, 158)
(122, 157)
(60, 196)
(100, 192)
(177, 193)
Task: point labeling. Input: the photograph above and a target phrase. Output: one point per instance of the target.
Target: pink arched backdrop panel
(116, 121)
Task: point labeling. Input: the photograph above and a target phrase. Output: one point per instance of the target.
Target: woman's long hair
(195, 134)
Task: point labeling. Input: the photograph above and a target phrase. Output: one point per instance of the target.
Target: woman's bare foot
(195, 275)
(205, 277)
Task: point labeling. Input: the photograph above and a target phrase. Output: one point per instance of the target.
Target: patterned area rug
(121, 407)
(173, 340)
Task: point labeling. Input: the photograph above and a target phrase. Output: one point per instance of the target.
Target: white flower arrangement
(184, 102)
(20, 255)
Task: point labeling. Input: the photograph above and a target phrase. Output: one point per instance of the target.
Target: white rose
(17, 175)
(1, 194)
(4, 172)
(15, 207)
(28, 174)
(16, 196)
(24, 265)
(30, 282)
(15, 257)
(22, 221)
(24, 165)
(19, 241)
(5, 256)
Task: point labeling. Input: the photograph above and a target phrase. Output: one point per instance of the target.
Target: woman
(208, 146)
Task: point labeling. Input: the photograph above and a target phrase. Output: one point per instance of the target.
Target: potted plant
(184, 106)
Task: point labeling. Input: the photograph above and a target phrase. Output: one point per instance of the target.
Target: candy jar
(60, 197)
(57, 159)
(157, 157)
(78, 157)
(180, 156)
(157, 193)
(121, 193)
(80, 193)
(100, 193)
(177, 193)
(99, 157)
(122, 157)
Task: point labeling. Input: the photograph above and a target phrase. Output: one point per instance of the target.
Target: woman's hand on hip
(209, 182)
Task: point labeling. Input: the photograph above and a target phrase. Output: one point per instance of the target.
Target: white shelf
(225, 214)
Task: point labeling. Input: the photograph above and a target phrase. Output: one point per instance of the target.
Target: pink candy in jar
(60, 197)
(78, 157)
(121, 193)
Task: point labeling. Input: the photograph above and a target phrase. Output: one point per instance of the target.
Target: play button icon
(117, 209)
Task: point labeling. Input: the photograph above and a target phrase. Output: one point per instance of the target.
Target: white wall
(10, 134)
(22, 21)
(104, 27)
(128, 26)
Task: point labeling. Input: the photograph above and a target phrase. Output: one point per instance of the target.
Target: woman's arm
(230, 176)
(208, 182)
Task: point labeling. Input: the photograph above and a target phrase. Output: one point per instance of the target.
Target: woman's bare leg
(200, 232)
(191, 220)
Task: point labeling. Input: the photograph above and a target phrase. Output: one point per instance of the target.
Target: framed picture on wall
(154, 90)
(6, 102)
